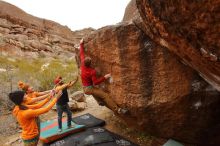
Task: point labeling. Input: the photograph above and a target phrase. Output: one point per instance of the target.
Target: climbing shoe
(71, 126)
(59, 130)
(101, 103)
(122, 111)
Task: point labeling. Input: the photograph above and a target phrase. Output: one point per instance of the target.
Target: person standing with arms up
(62, 104)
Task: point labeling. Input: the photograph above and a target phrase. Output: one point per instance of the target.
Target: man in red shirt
(89, 79)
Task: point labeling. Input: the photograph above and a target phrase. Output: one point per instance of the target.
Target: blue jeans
(64, 108)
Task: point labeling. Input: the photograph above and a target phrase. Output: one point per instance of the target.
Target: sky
(76, 14)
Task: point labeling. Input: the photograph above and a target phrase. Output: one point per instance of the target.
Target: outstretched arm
(81, 53)
(39, 98)
(61, 87)
(40, 104)
(73, 82)
(96, 80)
(36, 112)
(43, 93)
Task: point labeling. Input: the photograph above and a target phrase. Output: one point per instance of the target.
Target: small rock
(78, 96)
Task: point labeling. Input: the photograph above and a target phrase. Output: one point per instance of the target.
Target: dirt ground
(10, 136)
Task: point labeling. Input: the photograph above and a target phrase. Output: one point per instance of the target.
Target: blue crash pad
(49, 130)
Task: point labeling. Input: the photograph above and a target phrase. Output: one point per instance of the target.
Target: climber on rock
(89, 80)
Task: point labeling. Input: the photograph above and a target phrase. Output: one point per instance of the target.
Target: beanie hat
(57, 80)
(17, 97)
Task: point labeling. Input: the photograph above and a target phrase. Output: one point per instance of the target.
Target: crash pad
(49, 130)
(90, 136)
(88, 120)
(118, 141)
(172, 142)
(96, 136)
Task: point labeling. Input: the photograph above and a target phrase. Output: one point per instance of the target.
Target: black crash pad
(96, 136)
(118, 141)
(89, 137)
(88, 120)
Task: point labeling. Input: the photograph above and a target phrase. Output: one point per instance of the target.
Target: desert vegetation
(39, 73)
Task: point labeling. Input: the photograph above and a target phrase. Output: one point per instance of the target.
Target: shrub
(39, 73)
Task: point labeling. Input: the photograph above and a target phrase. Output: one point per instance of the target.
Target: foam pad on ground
(49, 130)
(96, 136)
(171, 142)
(89, 137)
(88, 120)
(118, 141)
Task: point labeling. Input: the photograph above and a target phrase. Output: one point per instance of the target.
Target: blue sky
(76, 14)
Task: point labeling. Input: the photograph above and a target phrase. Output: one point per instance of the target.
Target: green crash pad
(49, 130)
(171, 142)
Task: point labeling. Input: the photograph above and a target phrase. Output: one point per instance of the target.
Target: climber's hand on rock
(82, 41)
(107, 76)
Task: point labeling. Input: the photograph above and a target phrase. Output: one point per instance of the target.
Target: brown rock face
(24, 35)
(164, 97)
(190, 29)
(131, 11)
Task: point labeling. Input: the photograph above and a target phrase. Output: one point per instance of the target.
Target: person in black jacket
(62, 104)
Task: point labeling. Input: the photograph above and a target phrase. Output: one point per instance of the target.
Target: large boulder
(190, 29)
(165, 97)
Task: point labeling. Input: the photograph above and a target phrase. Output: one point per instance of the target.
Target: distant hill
(22, 34)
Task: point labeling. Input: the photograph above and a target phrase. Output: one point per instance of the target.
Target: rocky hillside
(25, 35)
(160, 73)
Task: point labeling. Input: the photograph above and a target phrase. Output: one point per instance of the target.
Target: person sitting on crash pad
(89, 80)
(62, 104)
(26, 115)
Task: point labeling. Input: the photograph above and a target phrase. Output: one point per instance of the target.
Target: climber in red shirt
(89, 79)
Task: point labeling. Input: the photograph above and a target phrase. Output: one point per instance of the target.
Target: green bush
(33, 72)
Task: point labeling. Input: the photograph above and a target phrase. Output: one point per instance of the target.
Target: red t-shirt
(88, 74)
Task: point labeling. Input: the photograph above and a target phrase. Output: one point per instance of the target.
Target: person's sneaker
(59, 130)
(122, 111)
(71, 126)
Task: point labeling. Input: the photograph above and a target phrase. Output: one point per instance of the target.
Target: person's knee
(60, 116)
(69, 113)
